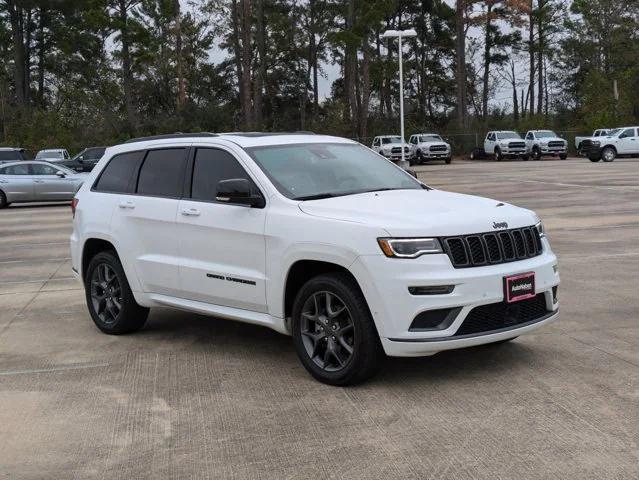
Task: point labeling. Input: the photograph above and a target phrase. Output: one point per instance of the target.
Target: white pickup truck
(601, 132)
(500, 145)
(428, 146)
(618, 142)
(390, 146)
(542, 143)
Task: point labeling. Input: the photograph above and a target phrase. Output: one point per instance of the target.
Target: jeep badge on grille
(499, 225)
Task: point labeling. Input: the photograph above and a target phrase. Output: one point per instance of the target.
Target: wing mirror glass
(238, 191)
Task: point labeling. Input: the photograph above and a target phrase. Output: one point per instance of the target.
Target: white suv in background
(391, 146)
(542, 143)
(313, 236)
(428, 146)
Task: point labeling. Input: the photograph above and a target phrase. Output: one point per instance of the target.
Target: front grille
(556, 144)
(493, 247)
(497, 316)
(399, 150)
(438, 148)
(517, 145)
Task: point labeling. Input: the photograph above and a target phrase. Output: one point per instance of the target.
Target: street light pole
(399, 34)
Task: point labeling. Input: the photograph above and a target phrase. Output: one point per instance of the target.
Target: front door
(222, 246)
(48, 186)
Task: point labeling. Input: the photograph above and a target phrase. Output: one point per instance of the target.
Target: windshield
(546, 134)
(10, 155)
(387, 140)
(49, 154)
(508, 135)
(430, 138)
(91, 154)
(62, 169)
(323, 170)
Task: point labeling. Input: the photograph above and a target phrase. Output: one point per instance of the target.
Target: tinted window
(15, 170)
(162, 173)
(117, 175)
(93, 154)
(41, 169)
(212, 166)
(630, 132)
(11, 155)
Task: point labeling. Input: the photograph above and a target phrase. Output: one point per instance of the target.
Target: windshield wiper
(318, 196)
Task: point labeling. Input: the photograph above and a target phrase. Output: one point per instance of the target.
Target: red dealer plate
(519, 287)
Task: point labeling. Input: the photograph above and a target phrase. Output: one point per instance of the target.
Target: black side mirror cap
(238, 191)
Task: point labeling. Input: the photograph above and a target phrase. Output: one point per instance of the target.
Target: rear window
(11, 155)
(162, 173)
(22, 169)
(117, 176)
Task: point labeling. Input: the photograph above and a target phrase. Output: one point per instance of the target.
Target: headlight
(596, 144)
(540, 229)
(409, 247)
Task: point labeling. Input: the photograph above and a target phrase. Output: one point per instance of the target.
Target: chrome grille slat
(493, 248)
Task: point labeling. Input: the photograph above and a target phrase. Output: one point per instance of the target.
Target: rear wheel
(3, 200)
(333, 331)
(109, 298)
(609, 154)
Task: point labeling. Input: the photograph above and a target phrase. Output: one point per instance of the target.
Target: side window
(15, 170)
(376, 142)
(117, 176)
(629, 132)
(162, 173)
(529, 136)
(41, 169)
(210, 167)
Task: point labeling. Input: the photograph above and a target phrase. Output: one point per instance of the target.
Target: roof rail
(265, 134)
(172, 135)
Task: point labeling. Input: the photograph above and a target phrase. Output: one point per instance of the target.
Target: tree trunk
(260, 76)
(351, 70)
(16, 18)
(127, 74)
(181, 98)
(366, 89)
(43, 21)
(540, 58)
(515, 99)
(487, 48)
(460, 50)
(247, 116)
(531, 54)
(313, 58)
(237, 52)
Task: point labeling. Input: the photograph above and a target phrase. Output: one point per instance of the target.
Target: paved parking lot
(193, 397)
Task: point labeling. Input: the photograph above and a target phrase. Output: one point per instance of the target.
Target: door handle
(38, 181)
(190, 212)
(126, 204)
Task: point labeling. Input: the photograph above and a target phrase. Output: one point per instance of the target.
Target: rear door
(144, 219)
(16, 182)
(628, 142)
(49, 187)
(222, 246)
(489, 143)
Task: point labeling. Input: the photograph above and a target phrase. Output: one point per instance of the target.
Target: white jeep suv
(313, 236)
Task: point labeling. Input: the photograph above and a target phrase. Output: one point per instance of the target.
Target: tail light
(74, 203)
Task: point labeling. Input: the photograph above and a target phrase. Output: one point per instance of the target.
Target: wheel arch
(91, 247)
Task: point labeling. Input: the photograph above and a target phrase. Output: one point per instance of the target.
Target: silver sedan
(33, 181)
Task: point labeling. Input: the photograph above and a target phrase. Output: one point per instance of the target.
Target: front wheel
(563, 157)
(594, 159)
(525, 158)
(536, 154)
(449, 160)
(609, 154)
(333, 331)
(498, 155)
(109, 298)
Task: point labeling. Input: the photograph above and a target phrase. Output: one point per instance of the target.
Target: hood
(406, 213)
(394, 145)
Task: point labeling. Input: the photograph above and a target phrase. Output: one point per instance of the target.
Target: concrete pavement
(194, 397)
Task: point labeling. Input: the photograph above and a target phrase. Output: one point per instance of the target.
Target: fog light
(554, 294)
(433, 290)
(555, 269)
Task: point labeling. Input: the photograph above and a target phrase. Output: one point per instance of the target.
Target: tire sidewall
(603, 154)
(359, 313)
(3, 200)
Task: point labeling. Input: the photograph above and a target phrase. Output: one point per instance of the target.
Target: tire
(324, 355)
(608, 154)
(420, 157)
(498, 155)
(525, 158)
(536, 154)
(449, 160)
(3, 200)
(563, 157)
(594, 159)
(105, 281)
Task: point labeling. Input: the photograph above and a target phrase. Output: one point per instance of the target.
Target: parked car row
(509, 144)
(421, 147)
(82, 162)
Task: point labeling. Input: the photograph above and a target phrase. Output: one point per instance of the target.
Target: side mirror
(60, 174)
(238, 190)
(81, 159)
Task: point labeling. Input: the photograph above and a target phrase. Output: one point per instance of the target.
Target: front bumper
(385, 282)
(513, 152)
(553, 151)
